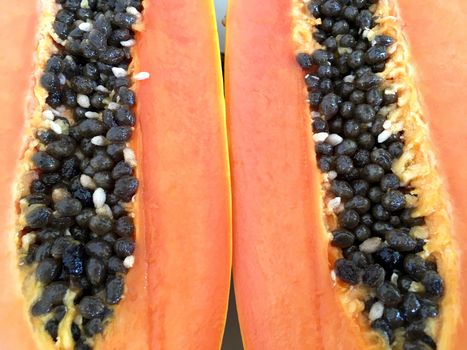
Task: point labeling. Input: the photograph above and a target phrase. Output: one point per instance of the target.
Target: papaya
(346, 127)
(115, 201)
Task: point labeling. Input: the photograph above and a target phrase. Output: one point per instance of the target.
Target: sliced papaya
(347, 169)
(115, 201)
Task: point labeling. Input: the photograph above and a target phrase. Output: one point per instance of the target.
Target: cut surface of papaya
(346, 161)
(115, 203)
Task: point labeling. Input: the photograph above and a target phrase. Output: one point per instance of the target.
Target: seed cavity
(379, 240)
(76, 230)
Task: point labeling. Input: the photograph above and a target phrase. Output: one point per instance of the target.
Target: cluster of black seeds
(356, 149)
(81, 236)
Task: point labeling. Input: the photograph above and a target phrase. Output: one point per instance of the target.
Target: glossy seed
(415, 266)
(51, 327)
(54, 293)
(100, 224)
(393, 200)
(389, 182)
(384, 40)
(342, 238)
(59, 312)
(329, 105)
(372, 173)
(388, 294)
(364, 113)
(41, 307)
(396, 149)
(38, 217)
(95, 271)
(91, 307)
(373, 276)
(43, 251)
(60, 245)
(91, 128)
(124, 20)
(349, 219)
(115, 265)
(48, 270)
(114, 290)
(410, 306)
(125, 187)
(304, 60)
(364, 18)
(393, 317)
(382, 326)
(83, 218)
(415, 331)
(99, 249)
(124, 247)
(428, 309)
(93, 327)
(388, 258)
(73, 260)
(362, 232)
(331, 8)
(124, 226)
(75, 331)
(342, 189)
(359, 203)
(381, 157)
(376, 54)
(367, 81)
(68, 207)
(121, 169)
(62, 148)
(434, 285)
(45, 162)
(400, 241)
(124, 117)
(347, 271)
(347, 147)
(48, 234)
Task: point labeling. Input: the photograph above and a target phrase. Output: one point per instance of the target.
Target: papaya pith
(273, 214)
(272, 86)
(182, 212)
(416, 170)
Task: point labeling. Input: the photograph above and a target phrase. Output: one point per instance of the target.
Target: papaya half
(346, 127)
(115, 200)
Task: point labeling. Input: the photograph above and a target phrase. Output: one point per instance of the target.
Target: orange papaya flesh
(273, 195)
(287, 290)
(180, 215)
